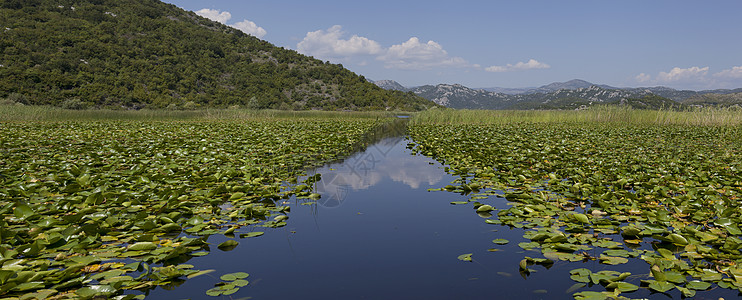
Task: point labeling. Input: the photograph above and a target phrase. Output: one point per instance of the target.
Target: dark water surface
(377, 233)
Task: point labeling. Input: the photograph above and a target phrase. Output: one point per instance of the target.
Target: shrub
(74, 104)
(17, 98)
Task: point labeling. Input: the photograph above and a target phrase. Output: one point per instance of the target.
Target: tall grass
(46, 113)
(596, 114)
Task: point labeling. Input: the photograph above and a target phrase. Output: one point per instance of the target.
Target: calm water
(377, 233)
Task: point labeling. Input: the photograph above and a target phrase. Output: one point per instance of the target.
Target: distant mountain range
(572, 94)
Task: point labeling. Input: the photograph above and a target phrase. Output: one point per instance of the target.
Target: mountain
(573, 94)
(390, 85)
(461, 97)
(552, 87)
(145, 53)
(509, 91)
(682, 95)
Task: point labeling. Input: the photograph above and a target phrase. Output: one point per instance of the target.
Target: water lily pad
(698, 285)
(590, 295)
(234, 276)
(142, 246)
(660, 286)
(465, 257)
(624, 287)
(613, 260)
(500, 241)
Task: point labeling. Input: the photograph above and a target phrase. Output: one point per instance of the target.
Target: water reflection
(387, 159)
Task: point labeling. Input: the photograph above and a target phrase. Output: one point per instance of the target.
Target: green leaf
(29, 286)
(234, 276)
(581, 218)
(22, 211)
(590, 295)
(624, 287)
(142, 246)
(465, 257)
(686, 292)
(214, 292)
(698, 285)
(666, 253)
(240, 282)
(675, 277)
(677, 239)
(228, 245)
(580, 275)
(252, 234)
(612, 260)
(485, 208)
(658, 274)
(661, 286)
(500, 241)
(96, 290)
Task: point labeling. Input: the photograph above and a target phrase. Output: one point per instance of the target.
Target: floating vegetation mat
(112, 208)
(664, 196)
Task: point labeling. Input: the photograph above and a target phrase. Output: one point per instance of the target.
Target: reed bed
(15, 113)
(597, 114)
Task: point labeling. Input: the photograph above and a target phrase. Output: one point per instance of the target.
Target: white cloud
(329, 44)
(733, 73)
(245, 26)
(681, 75)
(694, 78)
(520, 66)
(250, 28)
(414, 55)
(215, 15)
(643, 78)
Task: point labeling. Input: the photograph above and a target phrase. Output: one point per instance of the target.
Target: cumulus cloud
(333, 44)
(330, 44)
(250, 28)
(414, 55)
(245, 26)
(520, 66)
(679, 74)
(215, 15)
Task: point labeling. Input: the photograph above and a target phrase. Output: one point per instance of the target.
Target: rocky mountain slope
(572, 94)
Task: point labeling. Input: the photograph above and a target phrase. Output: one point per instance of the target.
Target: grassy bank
(600, 114)
(46, 113)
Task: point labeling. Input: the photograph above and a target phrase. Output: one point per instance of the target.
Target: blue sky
(681, 44)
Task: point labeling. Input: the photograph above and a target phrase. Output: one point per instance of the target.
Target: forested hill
(145, 53)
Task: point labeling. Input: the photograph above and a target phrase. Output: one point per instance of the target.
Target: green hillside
(145, 53)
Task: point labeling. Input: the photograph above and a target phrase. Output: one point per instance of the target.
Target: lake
(378, 233)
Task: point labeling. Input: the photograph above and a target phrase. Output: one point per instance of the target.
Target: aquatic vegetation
(667, 195)
(93, 209)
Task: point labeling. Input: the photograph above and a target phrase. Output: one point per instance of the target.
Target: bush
(190, 105)
(74, 103)
(17, 98)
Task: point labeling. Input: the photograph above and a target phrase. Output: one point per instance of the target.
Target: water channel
(377, 233)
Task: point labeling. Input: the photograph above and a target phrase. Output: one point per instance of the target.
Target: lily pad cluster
(665, 195)
(93, 209)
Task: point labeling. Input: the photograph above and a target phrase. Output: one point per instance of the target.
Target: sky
(681, 44)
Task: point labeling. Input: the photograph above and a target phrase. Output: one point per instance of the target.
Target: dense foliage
(145, 53)
(91, 209)
(613, 193)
